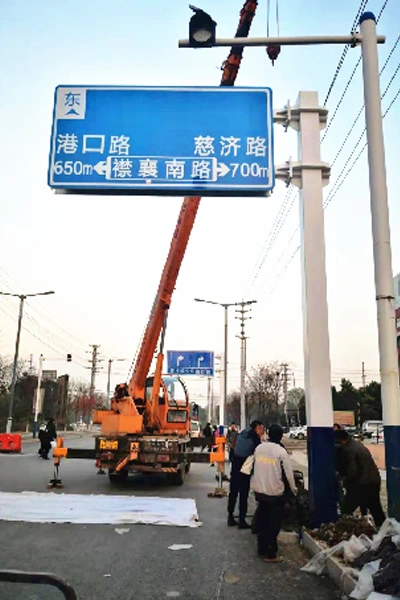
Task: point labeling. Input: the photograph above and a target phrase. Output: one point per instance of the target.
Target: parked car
(370, 427)
(298, 433)
(378, 435)
(195, 429)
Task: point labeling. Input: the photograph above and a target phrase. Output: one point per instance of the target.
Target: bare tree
(265, 392)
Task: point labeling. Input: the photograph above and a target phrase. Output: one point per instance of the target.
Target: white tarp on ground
(34, 507)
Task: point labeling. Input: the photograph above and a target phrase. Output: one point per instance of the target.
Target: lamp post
(225, 307)
(110, 361)
(38, 395)
(22, 298)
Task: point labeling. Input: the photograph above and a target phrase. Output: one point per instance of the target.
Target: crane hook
(273, 51)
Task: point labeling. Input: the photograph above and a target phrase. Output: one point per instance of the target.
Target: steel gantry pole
(310, 175)
(389, 369)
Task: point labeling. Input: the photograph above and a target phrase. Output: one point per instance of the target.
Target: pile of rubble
(371, 558)
(343, 529)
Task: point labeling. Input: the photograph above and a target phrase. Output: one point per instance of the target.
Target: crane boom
(162, 300)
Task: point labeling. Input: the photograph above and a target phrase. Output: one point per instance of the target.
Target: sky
(103, 256)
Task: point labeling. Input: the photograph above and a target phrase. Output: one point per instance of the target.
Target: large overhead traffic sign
(193, 362)
(151, 140)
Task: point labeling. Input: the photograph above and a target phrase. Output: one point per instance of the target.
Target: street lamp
(225, 307)
(110, 361)
(14, 374)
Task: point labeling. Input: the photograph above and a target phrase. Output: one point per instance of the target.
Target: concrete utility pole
(93, 369)
(285, 391)
(243, 349)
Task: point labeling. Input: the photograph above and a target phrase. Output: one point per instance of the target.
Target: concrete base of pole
(9, 425)
(322, 480)
(392, 452)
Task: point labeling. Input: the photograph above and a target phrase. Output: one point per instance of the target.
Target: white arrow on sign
(222, 169)
(179, 360)
(101, 167)
(199, 360)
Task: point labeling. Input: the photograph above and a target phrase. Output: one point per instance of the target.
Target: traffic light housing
(69, 357)
(201, 29)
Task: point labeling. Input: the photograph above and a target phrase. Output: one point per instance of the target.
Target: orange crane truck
(147, 427)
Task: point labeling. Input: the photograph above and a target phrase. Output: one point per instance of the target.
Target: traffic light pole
(389, 369)
(310, 175)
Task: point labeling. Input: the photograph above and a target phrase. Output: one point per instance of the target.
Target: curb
(336, 570)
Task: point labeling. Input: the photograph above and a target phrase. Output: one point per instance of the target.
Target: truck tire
(301, 436)
(119, 477)
(177, 478)
(187, 467)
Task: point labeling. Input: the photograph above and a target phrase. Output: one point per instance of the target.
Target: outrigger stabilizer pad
(219, 492)
(56, 482)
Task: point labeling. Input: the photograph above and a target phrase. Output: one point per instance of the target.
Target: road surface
(100, 563)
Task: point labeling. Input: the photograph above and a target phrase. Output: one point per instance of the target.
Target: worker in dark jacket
(246, 442)
(231, 439)
(361, 477)
(46, 436)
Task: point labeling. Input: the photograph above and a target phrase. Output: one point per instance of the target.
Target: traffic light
(69, 357)
(201, 29)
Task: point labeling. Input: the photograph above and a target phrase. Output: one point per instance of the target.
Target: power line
(353, 74)
(272, 236)
(341, 99)
(345, 50)
(282, 215)
(337, 185)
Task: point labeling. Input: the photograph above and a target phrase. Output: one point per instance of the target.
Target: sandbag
(387, 579)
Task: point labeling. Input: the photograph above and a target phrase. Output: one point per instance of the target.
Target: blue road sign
(151, 140)
(189, 362)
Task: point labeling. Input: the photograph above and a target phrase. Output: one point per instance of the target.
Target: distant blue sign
(152, 140)
(190, 363)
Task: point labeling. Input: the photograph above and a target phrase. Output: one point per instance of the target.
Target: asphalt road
(101, 564)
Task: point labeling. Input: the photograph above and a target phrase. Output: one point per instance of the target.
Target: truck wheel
(300, 436)
(187, 467)
(119, 477)
(176, 478)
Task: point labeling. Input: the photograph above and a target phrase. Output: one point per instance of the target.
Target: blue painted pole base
(392, 453)
(322, 475)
